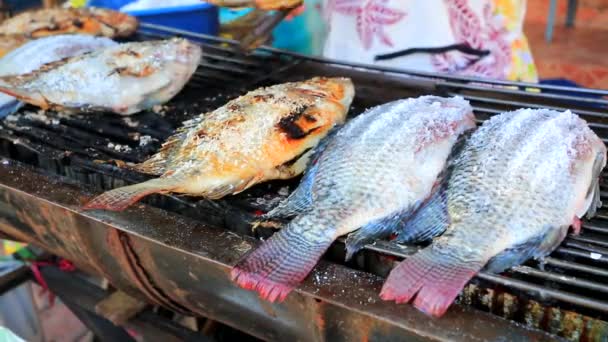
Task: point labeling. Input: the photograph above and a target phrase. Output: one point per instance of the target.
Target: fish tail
(283, 261)
(434, 275)
(121, 198)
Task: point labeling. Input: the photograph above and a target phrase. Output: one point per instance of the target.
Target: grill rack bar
(521, 285)
(574, 255)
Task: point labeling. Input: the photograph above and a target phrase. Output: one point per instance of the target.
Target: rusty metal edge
(342, 291)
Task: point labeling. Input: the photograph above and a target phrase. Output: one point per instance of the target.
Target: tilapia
(265, 134)
(366, 178)
(38, 52)
(510, 195)
(55, 21)
(124, 79)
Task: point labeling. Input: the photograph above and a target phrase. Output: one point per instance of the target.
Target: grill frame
(375, 80)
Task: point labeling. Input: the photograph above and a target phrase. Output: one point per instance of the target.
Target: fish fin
(299, 201)
(48, 67)
(121, 198)
(538, 247)
(224, 190)
(32, 75)
(434, 275)
(429, 221)
(157, 164)
(9, 107)
(27, 96)
(323, 144)
(276, 267)
(248, 183)
(375, 230)
(295, 166)
(13, 84)
(593, 193)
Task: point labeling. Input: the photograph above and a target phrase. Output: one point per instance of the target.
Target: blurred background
(567, 38)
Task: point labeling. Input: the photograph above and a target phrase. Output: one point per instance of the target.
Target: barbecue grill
(176, 251)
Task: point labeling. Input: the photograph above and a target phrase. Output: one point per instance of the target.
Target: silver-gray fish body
(512, 192)
(365, 177)
(519, 174)
(387, 159)
(38, 52)
(124, 79)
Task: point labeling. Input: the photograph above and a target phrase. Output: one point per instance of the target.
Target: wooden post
(50, 3)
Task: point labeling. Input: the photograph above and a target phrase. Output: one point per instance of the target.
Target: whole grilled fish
(54, 21)
(369, 176)
(38, 52)
(265, 134)
(124, 79)
(510, 195)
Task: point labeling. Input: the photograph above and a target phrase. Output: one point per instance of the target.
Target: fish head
(587, 156)
(182, 58)
(466, 120)
(187, 53)
(331, 97)
(447, 118)
(161, 68)
(333, 90)
(340, 89)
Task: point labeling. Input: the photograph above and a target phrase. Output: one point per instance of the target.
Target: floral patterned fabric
(481, 38)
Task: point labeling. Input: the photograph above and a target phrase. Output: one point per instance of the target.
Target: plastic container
(200, 18)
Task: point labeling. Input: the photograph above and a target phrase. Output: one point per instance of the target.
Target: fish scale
(514, 189)
(374, 168)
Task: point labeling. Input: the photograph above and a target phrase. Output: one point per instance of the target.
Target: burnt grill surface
(93, 149)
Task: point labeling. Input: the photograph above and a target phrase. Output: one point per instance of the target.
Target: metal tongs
(255, 28)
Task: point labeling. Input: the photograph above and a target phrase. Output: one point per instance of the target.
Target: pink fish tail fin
(121, 198)
(277, 267)
(434, 276)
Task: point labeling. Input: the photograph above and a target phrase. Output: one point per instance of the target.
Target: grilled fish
(510, 195)
(38, 52)
(124, 79)
(265, 134)
(55, 21)
(369, 176)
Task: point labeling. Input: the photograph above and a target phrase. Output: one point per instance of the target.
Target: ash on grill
(565, 296)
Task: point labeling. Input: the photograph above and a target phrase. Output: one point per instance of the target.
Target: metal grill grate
(575, 277)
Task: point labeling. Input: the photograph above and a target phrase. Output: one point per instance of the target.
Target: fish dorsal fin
(157, 164)
(17, 80)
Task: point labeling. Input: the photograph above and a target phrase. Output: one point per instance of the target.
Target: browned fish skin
(10, 42)
(265, 134)
(93, 21)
